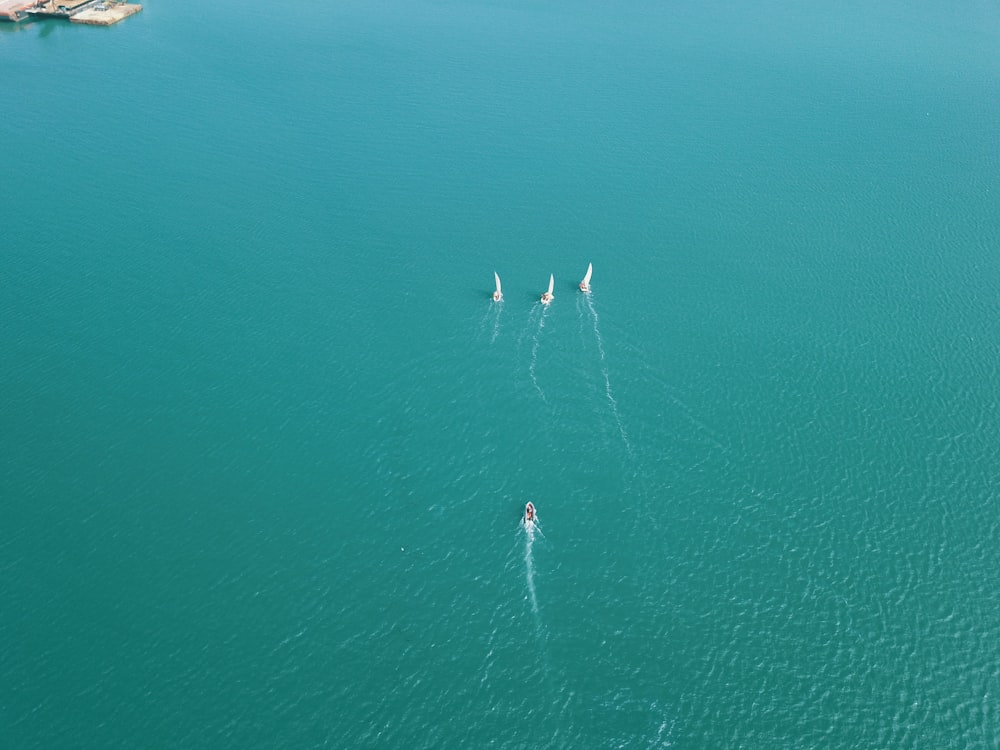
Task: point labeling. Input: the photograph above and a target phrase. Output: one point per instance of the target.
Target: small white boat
(585, 284)
(529, 516)
(498, 294)
(547, 297)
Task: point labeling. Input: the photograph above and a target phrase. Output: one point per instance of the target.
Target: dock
(93, 12)
(14, 10)
(105, 14)
(57, 8)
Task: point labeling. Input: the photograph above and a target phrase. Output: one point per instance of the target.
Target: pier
(14, 10)
(93, 12)
(58, 8)
(105, 14)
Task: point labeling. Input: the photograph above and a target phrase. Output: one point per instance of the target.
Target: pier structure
(58, 8)
(14, 10)
(93, 12)
(105, 13)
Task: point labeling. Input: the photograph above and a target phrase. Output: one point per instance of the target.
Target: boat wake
(588, 303)
(490, 323)
(498, 304)
(531, 532)
(529, 568)
(511, 624)
(534, 347)
(496, 309)
(496, 323)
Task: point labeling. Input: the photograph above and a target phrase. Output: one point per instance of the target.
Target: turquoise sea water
(265, 441)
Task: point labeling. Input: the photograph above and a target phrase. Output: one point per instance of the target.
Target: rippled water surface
(266, 440)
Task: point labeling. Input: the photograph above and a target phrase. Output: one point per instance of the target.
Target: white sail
(497, 277)
(590, 270)
(547, 297)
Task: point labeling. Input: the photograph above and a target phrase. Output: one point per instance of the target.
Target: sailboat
(497, 295)
(547, 297)
(585, 284)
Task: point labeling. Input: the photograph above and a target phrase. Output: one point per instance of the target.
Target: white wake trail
(534, 353)
(604, 371)
(529, 575)
(541, 651)
(496, 320)
(487, 316)
(529, 572)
